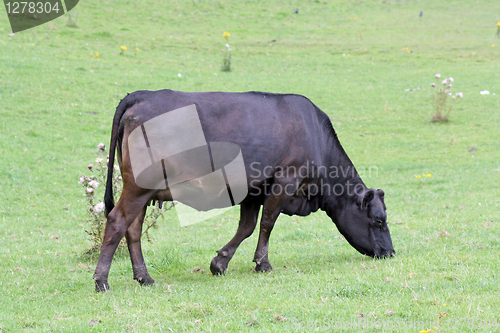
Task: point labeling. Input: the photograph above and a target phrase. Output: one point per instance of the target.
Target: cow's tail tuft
(124, 105)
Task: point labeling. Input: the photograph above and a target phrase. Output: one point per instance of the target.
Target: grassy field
(354, 60)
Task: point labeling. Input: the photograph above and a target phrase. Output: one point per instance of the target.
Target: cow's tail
(124, 105)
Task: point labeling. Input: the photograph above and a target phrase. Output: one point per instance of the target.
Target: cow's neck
(344, 184)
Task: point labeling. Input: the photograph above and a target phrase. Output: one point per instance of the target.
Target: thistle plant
(72, 18)
(94, 188)
(441, 101)
(226, 62)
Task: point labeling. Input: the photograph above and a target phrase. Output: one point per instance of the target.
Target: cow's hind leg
(133, 236)
(249, 212)
(119, 220)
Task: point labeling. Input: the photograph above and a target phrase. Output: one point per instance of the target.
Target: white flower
(90, 166)
(444, 81)
(438, 76)
(450, 79)
(460, 94)
(99, 207)
(116, 167)
(82, 180)
(433, 84)
(93, 184)
(101, 146)
(449, 86)
(90, 190)
(454, 97)
(485, 92)
(98, 160)
(227, 45)
(179, 75)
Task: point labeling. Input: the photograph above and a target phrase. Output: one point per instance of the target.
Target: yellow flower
(225, 35)
(424, 331)
(97, 54)
(418, 176)
(124, 48)
(137, 49)
(498, 24)
(428, 175)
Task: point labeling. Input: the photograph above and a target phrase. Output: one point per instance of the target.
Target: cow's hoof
(263, 267)
(218, 266)
(145, 280)
(101, 286)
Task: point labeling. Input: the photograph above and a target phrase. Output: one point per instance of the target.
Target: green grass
(57, 103)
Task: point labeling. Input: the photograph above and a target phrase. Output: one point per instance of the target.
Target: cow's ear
(365, 198)
(381, 195)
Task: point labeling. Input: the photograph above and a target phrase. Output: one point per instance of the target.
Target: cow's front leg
(273, 206)
(133, 236)
(249, 212)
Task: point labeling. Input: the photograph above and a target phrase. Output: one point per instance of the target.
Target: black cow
(294, 164)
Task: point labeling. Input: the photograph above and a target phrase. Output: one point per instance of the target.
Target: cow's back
(272, 130)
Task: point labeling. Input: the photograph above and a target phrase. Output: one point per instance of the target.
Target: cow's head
(364, 224)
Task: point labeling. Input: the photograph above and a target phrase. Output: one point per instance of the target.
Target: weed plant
(442, 102)
(94, 186)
